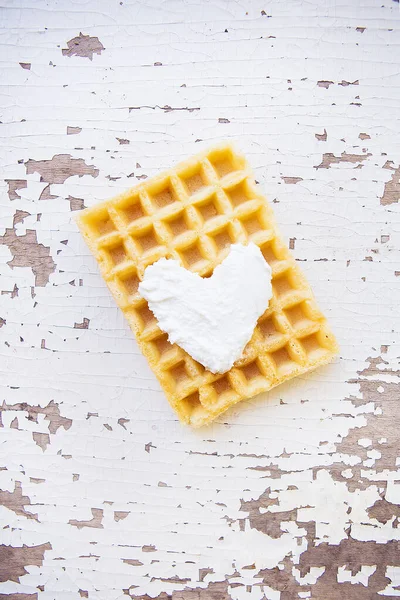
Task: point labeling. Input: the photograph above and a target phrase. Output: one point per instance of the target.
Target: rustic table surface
(103, 494)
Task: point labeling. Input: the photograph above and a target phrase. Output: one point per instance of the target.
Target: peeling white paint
(361, 577)
(172, 501)
(311, 577)
(365, 443)
(393, 573)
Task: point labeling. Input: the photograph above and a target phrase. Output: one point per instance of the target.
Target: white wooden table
(104, 494)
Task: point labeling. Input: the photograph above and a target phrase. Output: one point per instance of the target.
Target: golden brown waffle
(193, 213)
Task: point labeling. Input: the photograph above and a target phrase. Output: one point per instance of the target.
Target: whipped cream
(212, 318)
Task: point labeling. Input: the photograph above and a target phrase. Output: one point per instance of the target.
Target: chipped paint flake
(19, 216)
(76, 203)
(292, 180)
(51, 413)
(83, 325)
(15, 559)
(46, 194)
(73, 130)
(391, 193)
(27, 252)
(344, 83)
(16, 501)
(329, 159)
(60, 168)
(322, 137)
(84, 46)
(95, 521)
(13, 186)
(120, 515)
(41, 439)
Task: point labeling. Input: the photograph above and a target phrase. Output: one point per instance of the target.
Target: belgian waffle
(193, 213)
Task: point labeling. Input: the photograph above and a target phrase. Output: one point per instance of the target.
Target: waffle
(193, 213)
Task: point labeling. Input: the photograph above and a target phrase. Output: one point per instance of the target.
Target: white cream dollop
(212, 318)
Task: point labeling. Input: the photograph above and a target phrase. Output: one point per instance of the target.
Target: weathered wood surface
(103, 494)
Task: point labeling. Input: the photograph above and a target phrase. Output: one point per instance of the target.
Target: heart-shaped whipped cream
(213, 318)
